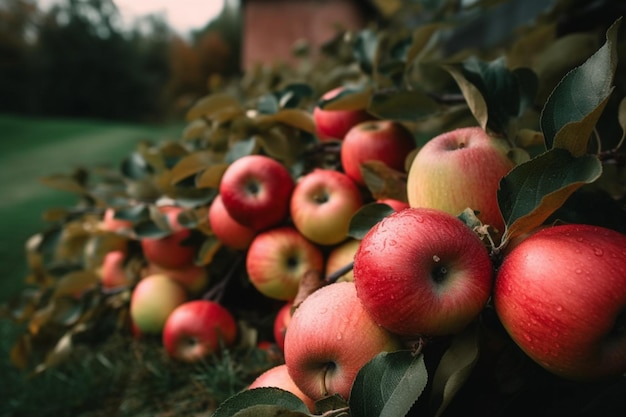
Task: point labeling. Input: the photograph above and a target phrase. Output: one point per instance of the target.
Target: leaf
(365, 48)
(210, 105)
(366, 217)
(533, 190)
(64, 183)
(212, 176)
(192, 164)
(493, 93)
(208, 250)
(383, 181)
(300, 119)
(455, 367)
(349, 98)
(402, 105)
(254, 399)
(241, 148)
(195, 129)
(388, 385)
(267, 104)
(576, 103)
(621, 117)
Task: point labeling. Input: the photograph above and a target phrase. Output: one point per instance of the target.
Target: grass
(33, 148)
(120, 376)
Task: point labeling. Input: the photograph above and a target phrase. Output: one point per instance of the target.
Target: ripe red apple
(197, 329)
(152, 300)
(194, 278)
(423, 272)
(330, 338)
(281, 322)
(226, 229)
(278, 258)
(322, 205)
(278, 377)
(561, 295)
(334, 124)
(397, 205)
(112, 273)
(378, 140)
(170, 251)
(341, 256)
(460, 169)
(255, 190)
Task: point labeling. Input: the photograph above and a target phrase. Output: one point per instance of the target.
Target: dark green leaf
(267, 104)
(576, 103)
(242, 148)
(135, 167)
(366, 217)
(292, 95)
(402, 105)
(533, 190)
(388, 385)
(364, 49)
(281, 401)
(492, 92)
(455, 367)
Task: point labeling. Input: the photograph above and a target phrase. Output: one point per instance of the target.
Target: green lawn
(31, 148)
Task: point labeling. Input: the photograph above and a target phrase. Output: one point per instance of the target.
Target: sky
(182, 15)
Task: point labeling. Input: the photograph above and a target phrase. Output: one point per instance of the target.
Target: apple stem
(337, 412)
(338, 273)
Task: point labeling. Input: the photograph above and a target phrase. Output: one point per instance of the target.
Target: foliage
(559, 129)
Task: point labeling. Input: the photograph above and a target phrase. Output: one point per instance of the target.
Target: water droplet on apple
(554, 333)
(598, 252)
(528, 337)
(339, 336)
(579, 271)
(579, 238)
(392, 243)
(559, 308)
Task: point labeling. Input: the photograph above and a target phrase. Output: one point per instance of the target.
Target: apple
(278, 377)
(194, 278)
(330, 338)
(231, 233)
(334, 124)
(561, 296)
(322, 204)
(170, 251)
(278, 258)
(256, 190)
(395, 204)
(281, 322)
(378, 140)
(197, 329)
(152, 300)
(423, 272)
(341, 256)
(459, 169)
(112, 272)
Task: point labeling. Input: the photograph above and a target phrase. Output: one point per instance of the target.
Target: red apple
(112, 273)
(152, 301)
(278, 258)
(341, 256)
(334, 124)
(194, 278)
(460, 169)
(322, 205)
(197, 329)
(379, 140)
(561, 295)
(281, 322)
(231, 233)
(423, 272)
(397, 205)
(255, 190)
(170, 251)
(278, 377)
(330, 338)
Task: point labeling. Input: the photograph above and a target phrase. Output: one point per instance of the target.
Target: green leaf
(349, 98)
(402, 105)
(365, 48)
(292, 95)
(366, 217)
(455, 367)
(493, 93)
(388, 385)
(576, 103)
(259, 402)
(533, 190)
(267, 104)
(212, 105)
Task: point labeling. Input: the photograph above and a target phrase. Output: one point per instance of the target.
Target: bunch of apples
(422, 273)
